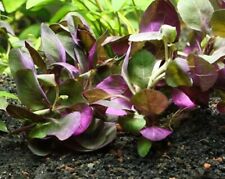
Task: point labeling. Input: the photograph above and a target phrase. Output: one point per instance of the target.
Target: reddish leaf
(150, 102)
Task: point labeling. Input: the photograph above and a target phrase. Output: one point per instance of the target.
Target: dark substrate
(195, 150)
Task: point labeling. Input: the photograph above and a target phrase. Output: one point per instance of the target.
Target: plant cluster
(79, 91)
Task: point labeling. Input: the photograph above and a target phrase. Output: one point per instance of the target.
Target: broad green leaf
(150, 102)
(140, 68)
(132, 123)
(8, 95)
(40, 131)
(3, 103)
(175, 76)
(30, 31)
(217, 23)
(37, 3)
(29, 90)
(47, 79)
(3, 127)
(196, 13)
(12, 5)
(143, 147)
(74, 96)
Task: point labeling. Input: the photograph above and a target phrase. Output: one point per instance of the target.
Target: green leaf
(143, 147)
(150, 102)
(8, 95)
(47, 79)
(3, 127)
(196, 14)
(29, 90)
(132, 123)
(3, 103)
(145, 36)
(169, 33)
(33, 31)
(12, 5)
(140, 68)
(217, 23)
(37, 3)
(40, 131)
(74, 96)
(175, 76)
(117, 5)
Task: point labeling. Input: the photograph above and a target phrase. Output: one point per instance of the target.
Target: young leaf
(155, 133)
(175, 76)
(157, 14)
(217, 23)
(143, 147)
(132, 123)
(140, 68)
(196, 14)
(3, 127)
(150, 102)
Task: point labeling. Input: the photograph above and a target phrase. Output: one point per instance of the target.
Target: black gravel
(195, 150)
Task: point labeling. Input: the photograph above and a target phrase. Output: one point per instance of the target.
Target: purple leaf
(51, 45)
(86, 117)
(204, 74)
(221, 107)
(119, 45)
(158, 13)
(220, 83)
(190, 97)
(113, 84)
(221, 3)
(67, 126)
(182, 100)
(72, 70)
(122, 103)
(97, 53)
(155, 133)
(194, 44)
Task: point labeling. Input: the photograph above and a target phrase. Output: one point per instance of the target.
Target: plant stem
(119, 23)
(159, 72)
(136, 10)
